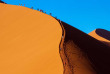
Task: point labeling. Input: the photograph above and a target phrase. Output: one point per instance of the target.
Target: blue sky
(86, 15)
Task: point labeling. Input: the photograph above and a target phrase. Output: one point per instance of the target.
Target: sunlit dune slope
(83, 53)
(102, 35)
(29, 42)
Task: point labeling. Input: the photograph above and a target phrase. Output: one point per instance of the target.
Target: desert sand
(74, 60)
(29, 42)
(32, 42)
(104, 37)
(85, 54)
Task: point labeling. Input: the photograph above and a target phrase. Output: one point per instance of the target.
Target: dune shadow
(97, 52)
(107, 43)
(103, 33)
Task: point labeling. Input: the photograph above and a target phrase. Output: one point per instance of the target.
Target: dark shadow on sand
(103, 33)
(97, 52)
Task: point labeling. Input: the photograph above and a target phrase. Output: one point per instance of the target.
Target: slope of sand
(74, 60)
(29, 42)
(83, 54)
(103, 37)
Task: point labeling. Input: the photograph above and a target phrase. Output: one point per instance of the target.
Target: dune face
(101, 35)
(83, 53)
(29, 42)
(32, 42)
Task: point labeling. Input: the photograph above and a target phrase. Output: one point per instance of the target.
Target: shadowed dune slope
(29, 42)
(95, 53)
(101, 35)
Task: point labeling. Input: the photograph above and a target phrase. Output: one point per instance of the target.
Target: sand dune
(74, 60)
(101, 35)
(32, 42)
(29, 42)
(84, 54)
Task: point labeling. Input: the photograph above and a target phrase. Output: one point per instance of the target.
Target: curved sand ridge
(74, 60)
(29, 45)
(29, 42)
(101, 35)
(82, 54)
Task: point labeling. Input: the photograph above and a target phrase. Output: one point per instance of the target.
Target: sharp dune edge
(29, 42)
(85, 54)
(35, 43)
(103, 37)
(74, 60)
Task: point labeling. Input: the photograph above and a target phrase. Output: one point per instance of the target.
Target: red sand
(74, 60)
(29, 42)
(84, 54)
(100, 38)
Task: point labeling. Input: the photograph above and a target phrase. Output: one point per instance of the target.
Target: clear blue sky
(86, 15)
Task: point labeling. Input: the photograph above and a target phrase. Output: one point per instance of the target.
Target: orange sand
(29, 42)
(78, 61)
(83, 53)
(93, 34)
(74, 60)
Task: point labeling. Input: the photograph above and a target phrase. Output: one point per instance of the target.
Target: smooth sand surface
(100, 38)
(29, 42)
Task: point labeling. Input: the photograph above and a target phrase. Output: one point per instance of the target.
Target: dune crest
(29, 41)
(32, 42)
(83, 53)
(101, 35)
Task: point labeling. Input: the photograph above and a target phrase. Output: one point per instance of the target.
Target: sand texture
(32, 42)
(29, 42)
(84, 54)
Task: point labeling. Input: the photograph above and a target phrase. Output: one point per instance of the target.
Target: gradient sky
(86, 15)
